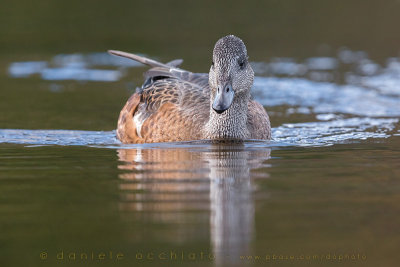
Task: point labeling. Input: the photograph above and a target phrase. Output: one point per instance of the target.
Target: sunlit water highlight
(323, 133)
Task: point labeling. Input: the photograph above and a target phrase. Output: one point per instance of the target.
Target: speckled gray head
(231, 76)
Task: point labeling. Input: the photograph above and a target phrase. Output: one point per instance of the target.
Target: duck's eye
(241, 64)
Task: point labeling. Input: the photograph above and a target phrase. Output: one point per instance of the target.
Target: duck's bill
(223, 98)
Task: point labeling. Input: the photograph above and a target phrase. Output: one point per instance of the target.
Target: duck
(175, 105)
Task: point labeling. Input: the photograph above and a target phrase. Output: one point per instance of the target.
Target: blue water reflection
(77, 67)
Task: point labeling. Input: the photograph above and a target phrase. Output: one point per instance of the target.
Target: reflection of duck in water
(170, 185)
(178, 105)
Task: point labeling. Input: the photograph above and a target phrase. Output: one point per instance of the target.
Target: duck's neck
(231, 124)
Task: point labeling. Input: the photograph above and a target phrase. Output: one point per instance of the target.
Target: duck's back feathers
(172, 104)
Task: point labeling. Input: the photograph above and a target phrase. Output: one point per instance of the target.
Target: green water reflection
(220, 201)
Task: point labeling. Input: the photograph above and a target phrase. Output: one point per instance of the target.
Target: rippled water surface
(323, 192)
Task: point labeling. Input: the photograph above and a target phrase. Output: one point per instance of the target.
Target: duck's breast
(258, 122)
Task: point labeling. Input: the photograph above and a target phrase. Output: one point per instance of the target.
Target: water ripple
(321, 133)
(325, 97)
(325, 133)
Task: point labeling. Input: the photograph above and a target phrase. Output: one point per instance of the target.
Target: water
(325, 189)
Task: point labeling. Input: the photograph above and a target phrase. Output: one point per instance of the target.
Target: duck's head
(231, 75)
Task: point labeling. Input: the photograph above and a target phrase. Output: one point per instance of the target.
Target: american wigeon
(177, 105)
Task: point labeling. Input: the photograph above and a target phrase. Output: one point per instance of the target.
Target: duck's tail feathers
(175, 62)
(147, 61)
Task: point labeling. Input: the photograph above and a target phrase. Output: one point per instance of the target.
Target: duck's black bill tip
(219, 111)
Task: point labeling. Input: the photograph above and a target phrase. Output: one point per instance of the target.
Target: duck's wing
(196, 79)
(172, 105)
(144, 60)
(169, 70)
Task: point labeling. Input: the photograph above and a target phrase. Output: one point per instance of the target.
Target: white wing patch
(138, 122)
